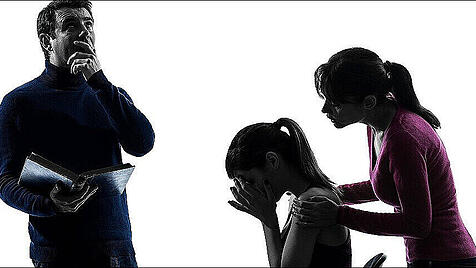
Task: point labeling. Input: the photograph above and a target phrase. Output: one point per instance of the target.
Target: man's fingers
(79, 184)
(91, 191)
(85, 46)
(75, 69)
(71, 199)
(80, 64)
(79, 55)
(55, 189)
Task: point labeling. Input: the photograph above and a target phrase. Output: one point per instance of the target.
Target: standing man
(72, 115)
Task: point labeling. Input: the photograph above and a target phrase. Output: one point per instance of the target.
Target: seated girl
(266, 162)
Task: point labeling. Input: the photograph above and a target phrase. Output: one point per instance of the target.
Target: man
(72, 115)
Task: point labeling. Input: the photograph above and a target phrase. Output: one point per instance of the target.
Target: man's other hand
(67, 201)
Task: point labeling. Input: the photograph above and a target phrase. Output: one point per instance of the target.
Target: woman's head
(356, 77)
(263, 151)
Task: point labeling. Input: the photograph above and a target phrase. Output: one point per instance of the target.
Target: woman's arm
(357, 193)
(407, 164)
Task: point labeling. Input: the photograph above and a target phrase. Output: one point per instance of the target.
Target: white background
(201, 71)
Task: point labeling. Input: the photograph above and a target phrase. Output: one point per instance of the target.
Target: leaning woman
(265, 162)
(409, 167)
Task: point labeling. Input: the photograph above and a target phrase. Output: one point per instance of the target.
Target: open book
(39, 173)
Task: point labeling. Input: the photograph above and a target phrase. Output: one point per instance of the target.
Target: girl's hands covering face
(251, 200)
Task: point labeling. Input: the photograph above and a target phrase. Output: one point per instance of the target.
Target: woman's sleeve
(357, 193)
(407, 164)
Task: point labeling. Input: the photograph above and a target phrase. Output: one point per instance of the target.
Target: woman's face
(343, 114)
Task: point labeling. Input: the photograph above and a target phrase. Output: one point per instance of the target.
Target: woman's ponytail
(402, 90)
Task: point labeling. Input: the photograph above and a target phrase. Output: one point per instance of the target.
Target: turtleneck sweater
(412, 173)
(80, 125)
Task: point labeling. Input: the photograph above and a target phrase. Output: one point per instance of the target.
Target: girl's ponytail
(306, 161)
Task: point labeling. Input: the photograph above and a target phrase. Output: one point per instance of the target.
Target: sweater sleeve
(12, 156)
(357, 193)
(132, 127)
(412, 219)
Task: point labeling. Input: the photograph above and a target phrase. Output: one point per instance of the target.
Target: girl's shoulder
(318, 191)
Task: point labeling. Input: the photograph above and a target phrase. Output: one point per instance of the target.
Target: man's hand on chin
(85, 62)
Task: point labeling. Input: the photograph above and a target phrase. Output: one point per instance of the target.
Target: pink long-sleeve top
(412, 174)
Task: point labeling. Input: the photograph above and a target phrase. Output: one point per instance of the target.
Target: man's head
(60, 24)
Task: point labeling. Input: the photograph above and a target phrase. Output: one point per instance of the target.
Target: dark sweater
(79, 125)
(412, 174)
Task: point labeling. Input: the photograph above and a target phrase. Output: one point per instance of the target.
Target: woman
(265, 162)
(409, 166)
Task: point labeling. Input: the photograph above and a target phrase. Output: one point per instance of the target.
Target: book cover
(40, 174)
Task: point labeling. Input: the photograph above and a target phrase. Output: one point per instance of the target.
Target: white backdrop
(201, 71)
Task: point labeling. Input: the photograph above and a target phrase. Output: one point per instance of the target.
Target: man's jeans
(103, 262)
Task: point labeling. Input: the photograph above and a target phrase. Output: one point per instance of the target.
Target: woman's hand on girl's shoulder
(316, 207)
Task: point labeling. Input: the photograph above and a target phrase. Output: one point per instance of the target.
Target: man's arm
(22, 199)
(132, 127)
(11, 154)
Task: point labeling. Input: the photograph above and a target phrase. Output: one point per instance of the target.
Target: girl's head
(263, 151)
(356, 78)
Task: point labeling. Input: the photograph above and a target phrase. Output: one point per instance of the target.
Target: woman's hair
(354, 73)
(250, 145)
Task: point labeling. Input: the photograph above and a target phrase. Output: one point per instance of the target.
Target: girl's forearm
(274, 245)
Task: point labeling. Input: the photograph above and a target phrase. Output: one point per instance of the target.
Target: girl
(265, 162)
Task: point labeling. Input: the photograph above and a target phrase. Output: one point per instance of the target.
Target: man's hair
(46, 22)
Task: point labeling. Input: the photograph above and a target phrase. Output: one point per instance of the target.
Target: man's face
(72, 24)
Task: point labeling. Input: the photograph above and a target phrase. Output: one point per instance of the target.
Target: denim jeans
(443, 264)
(102, 262)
